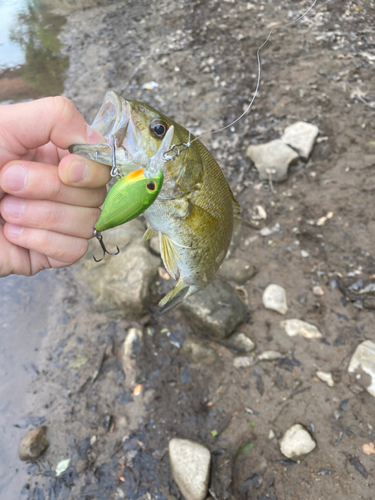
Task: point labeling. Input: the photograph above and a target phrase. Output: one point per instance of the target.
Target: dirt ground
(202, 54)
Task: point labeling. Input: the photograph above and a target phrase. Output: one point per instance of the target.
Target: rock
(33, 444)
(364, 359)
(199, 353)
(296, 441)
(301, 136)
(243, 361)
(190, 464)
(120, 284)
(62, 466)
(241, 342)
(131, 347)
(267, 231)
(325, 377)
(237, 270)
(318, 291)
(274, 297)
(274, 157)
(216, 309)
(295, 327)
(155, 245)
(269, 356)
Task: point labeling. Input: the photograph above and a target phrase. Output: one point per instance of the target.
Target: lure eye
(159, 128)
(151, 186)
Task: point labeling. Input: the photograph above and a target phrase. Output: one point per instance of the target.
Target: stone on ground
(274, 297)
(199, 353)
(301, 136)
(295, 327)
(237, 270)
(364, 359)
(216, 310)
(273, 158)
(120, 284)
(33, 444)
(296, 441)
(190, 464)
(241, 342)
(325, 377)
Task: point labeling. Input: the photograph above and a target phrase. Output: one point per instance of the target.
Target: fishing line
(188, 144)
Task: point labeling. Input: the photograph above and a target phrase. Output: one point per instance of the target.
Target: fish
(195, 211)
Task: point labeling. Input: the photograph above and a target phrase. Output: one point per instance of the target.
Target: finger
(77, 171)
(58, 247)
(33, 124)
(41, 182)
(51, 216)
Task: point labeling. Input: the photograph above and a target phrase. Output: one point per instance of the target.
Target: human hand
(49, 199)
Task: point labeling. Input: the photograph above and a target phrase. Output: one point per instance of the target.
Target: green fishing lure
(128, 198)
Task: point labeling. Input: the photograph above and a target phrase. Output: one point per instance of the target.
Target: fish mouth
(114, 122)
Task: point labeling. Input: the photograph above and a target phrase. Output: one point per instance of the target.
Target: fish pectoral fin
(174, 297)
(149, 233)
(169, 255)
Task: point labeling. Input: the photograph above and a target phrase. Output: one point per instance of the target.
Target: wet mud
(203, 57)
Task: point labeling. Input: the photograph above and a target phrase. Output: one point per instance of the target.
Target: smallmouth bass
(195, 211)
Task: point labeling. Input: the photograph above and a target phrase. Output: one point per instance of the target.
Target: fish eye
(159, 128)
(151, 186)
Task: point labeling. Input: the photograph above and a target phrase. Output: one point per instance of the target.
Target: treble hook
(99, 237)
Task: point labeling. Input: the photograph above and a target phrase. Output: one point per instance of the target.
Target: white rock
(296, 441)
(267, 231)
(269, 356)
(190, 463)
(241, 342)
(131, 346)
(271, 434)
(364, 358)
(243, 361)
(301, 136)
(318, 291)
(295, 327)
(274, 297)
(325, 377)
(273, 158)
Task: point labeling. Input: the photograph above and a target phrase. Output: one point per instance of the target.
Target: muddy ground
(203, 56)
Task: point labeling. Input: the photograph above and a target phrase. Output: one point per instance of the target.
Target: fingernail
(14, 178)
(14, 230)
(14, 206)
(78, 171)
(93, 136)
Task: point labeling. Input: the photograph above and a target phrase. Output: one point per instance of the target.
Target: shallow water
(31, 62)
(24, 311)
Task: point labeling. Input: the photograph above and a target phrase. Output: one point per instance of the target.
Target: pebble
(33, 444)
(237, 270)
(274, 297)
(318, 291)
(296, 441)
(295, 327)
(216, 310)
(190, 464)
(267, 231)
(241, 342)
(301, 136)
(325, 377)
(269, 356)
(364, 359)
(131, 347)
(121, 284)
(198, 353)
(273, 158)
(243, 361)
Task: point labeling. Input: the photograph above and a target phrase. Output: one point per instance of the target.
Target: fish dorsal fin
(174, 297)
(169, 255)
(150, 233)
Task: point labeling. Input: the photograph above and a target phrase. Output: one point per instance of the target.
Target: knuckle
(63, 106)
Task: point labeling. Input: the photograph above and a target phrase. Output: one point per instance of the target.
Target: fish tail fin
(174, 297)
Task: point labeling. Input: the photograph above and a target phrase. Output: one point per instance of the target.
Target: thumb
(33, 124)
